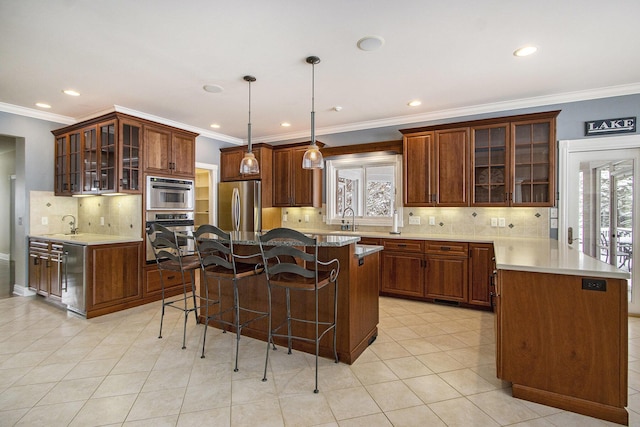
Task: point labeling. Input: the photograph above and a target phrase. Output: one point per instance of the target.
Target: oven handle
(170, 187)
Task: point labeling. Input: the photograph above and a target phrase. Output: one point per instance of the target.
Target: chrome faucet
(72, 223)
(353, 218)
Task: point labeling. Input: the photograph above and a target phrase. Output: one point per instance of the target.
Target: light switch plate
(284, 217)
(414, 220)
(432, 220)
(45, 220)
(501, 222)
(494, 222)
(554, 223)
(101, 220)
(553, 212)
(306, 218)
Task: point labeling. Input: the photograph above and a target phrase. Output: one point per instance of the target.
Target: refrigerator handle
(235, 209)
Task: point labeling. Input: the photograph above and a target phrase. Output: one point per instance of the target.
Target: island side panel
(562, 345)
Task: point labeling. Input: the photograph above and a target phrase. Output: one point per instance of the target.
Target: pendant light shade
(313, 157)
(249, 163)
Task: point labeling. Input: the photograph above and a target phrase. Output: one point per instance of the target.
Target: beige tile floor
(431, 365)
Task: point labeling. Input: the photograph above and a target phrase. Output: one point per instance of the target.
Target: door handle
(570, 238)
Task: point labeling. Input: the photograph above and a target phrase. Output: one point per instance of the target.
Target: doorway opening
(206, 186)
(600, 202)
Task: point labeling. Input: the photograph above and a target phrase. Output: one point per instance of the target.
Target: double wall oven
(169, 202)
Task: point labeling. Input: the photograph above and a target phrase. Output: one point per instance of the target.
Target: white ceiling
(154, 56)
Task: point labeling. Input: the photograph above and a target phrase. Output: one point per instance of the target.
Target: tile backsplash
(122, 215)
(472, 221)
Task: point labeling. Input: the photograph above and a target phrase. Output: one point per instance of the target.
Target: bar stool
(293, 269)
(219, 262)
(172, 254)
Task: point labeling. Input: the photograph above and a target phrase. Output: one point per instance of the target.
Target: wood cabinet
(563, 343)
(114, 277)
(446, 271)
(45, 273)
(292, 185)
(505, 161)
(459, 272)
(99, 156)
(481, 269)
(230, 159)
(513, 162)
(68, 162)
(169, 151)
(436, 168)
(402, 271)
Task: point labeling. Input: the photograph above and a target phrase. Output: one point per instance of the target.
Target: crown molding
(585, 95)
(202, 132)
(452, 113)
(36, 114)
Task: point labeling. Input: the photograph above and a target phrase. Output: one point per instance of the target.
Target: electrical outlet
(306, 218)
(553, 212)
(494, 222)
(501, 222)
(45, 220)
(284, 217)
(324, 218)
(554, 223)
(432, 220)
(414, 220)
(101, 220)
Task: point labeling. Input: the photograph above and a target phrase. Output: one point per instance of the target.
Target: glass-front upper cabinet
(99, 158)
(514, 162)
(68, 152)
(108, 156)
(490, 151)
(533, 167)
(130, 145)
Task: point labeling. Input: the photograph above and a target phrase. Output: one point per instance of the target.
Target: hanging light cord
(249, 125)
(313, 102)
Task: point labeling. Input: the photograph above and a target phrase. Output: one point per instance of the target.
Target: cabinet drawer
(447, 248)
(369, 241)
(403, 245)
(171, 280)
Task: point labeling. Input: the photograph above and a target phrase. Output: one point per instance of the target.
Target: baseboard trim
(21, 291)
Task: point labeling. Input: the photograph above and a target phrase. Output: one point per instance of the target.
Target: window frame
(333, 165)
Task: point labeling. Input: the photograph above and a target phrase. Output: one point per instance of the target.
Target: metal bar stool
(219, 262)
(172, 254)
(293, 269)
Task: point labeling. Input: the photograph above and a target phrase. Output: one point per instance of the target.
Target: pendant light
(249, 163)
(313, 157)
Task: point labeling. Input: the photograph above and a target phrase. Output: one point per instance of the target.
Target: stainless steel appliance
(175, 221)
(169, 194)
(240, 206)
(73, 277)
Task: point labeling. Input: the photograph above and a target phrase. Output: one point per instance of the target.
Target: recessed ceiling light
(370, 43)
(42, 105)
(71, 92)
(213, 88)
(285, 124)
(414, 103)
(215, 126)
(525, 51)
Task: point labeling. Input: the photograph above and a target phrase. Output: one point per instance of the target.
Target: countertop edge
(87, 239)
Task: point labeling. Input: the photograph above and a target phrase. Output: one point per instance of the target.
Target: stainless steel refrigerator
(240, 206)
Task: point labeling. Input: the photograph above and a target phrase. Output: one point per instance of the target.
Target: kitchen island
(91, 275)
(358, 287)
(561, 322)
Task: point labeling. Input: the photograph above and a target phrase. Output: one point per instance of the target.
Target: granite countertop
(538, 255)
(252, 238)
(86, 239)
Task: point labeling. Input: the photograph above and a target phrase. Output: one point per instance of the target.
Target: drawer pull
(402, 245)
(445, 248)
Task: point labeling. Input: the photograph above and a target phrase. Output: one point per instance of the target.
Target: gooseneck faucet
(72, 223)
(353, 217)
